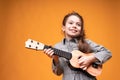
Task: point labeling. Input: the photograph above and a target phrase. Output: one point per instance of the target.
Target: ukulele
(94, 69)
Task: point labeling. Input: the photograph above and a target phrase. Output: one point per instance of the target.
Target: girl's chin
(73, 36)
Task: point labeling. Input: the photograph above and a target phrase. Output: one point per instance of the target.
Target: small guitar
(94, 69)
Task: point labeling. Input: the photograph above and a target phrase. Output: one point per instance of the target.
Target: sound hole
(95, 65)
(79, 57)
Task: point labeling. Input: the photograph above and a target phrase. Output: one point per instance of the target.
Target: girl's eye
(78, 24)
(70, 22)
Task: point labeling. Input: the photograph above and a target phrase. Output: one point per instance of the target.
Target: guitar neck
(32, 44)
(60, 53)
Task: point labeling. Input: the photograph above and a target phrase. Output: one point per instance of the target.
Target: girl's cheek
(79, 28)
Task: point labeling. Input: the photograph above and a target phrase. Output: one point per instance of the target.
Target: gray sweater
(101, 53)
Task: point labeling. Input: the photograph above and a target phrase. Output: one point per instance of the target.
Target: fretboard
(60, 53)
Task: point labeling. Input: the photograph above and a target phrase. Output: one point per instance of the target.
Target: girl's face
(72, 27)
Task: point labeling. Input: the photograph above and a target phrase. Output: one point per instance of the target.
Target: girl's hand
(85, 61)
(49, 52)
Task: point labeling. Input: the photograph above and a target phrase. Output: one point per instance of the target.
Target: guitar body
(93, 70)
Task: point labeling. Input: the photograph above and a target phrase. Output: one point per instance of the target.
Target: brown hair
(83, 45)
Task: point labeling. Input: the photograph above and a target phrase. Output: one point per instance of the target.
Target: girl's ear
(63, 28)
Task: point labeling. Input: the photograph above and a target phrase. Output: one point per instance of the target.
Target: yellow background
(41, 20)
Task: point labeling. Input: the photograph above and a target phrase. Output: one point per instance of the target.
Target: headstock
(32, 44)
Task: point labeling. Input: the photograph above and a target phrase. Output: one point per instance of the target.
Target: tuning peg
(37, 43)
(31, 41)
(29, 46)
(36, 48)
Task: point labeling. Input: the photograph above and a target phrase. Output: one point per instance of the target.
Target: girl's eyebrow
(79, 22)
(73, 21)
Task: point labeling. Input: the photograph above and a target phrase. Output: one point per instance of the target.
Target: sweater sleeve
(101, 53)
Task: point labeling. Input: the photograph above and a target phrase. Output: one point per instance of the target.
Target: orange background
(41, 21)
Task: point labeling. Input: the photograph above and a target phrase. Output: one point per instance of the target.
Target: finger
(80, 61)
(46, 50)
(51, 53)
(82, 58)
(84, 68)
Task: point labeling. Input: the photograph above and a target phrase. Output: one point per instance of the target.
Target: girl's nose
(74, 25)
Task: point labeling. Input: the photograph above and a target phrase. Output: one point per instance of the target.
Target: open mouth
(73, 30)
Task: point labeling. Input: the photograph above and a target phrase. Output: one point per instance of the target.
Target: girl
(73, 28)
